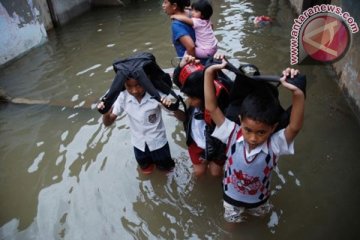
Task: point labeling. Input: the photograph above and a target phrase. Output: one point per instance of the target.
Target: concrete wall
(23, 24)
(297, 5)
(348, 67)
(45, 14)
(21, 28)
(64, 10)
(107, 3)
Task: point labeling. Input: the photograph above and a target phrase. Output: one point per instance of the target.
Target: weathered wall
(45, 14)
(107, 3)
(23, 24)
(21, 28)
(297, 5)
(348, 67)
(65, 10)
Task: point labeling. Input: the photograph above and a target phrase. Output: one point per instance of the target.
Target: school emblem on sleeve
(152, 118)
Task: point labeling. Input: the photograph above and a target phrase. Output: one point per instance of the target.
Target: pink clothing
(206, 42)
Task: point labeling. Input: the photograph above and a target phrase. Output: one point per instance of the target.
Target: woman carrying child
(206, 42)
(183, 35)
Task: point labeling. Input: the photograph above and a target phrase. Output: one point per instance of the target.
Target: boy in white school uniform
(148, 134)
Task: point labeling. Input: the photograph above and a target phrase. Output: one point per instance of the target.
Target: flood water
(65, 176)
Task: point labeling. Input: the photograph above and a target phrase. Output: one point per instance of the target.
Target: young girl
(206, 42)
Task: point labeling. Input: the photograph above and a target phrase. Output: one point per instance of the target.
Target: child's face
(134, 88)
(255, 133)
(195, 13)
(194, 102)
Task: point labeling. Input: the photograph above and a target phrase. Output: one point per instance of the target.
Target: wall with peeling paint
(21, 28)
(23, 24)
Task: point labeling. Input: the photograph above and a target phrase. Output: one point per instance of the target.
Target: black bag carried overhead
(246, 83)
(141, 66)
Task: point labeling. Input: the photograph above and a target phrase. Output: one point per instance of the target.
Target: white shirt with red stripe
(247, 174)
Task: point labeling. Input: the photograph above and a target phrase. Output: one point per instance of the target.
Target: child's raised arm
(211, 104)
(298, 106)
(183, 18)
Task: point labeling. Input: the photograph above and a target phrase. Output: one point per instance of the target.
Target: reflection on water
(65, 176)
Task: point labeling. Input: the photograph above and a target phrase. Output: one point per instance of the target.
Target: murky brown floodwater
(65, 176)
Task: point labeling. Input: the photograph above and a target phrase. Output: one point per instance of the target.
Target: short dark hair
(204, 7)
(181, 4)
(194, 85)
(261, 105)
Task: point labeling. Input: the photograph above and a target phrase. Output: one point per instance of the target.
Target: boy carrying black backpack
(137, 90)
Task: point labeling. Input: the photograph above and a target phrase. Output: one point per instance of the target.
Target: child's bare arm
(298, 106)
(187, 58)
(182, 18)
(179, 114)
(211, 104)
(109, 118)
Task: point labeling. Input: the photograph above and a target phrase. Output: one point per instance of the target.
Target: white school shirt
(145, 120)
(278, 141)
(198, 130)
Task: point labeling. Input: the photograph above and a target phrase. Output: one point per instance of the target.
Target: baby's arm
(211, 104)
(183, 18)
(298, 105)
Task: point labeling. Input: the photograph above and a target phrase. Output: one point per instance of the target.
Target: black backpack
(246, 82)
(141, 66)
